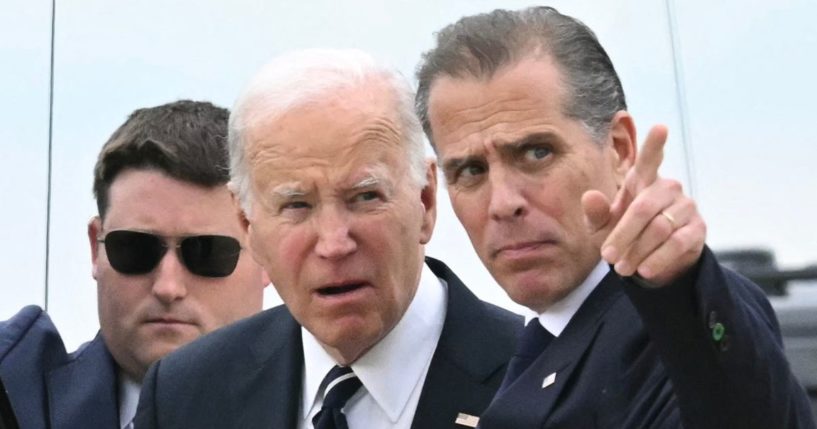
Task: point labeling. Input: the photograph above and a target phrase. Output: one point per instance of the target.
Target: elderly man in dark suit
(168, 254)
(529, 122)
(328, 162)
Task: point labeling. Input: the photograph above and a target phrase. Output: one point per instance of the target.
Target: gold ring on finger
(671, 220)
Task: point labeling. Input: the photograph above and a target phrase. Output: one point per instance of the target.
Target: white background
(744, 71)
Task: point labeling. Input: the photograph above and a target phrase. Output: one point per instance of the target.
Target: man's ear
(247, 227)
(94, 232)
(623, 143)
(242, 215)
(245, 223)
(428, 197)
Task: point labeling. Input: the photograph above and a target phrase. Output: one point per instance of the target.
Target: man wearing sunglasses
(170, 260)
(327, 158)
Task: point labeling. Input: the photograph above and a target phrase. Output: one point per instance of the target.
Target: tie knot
(338, 386)
(535, 338)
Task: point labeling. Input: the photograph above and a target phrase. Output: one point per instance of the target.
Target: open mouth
(339, 289)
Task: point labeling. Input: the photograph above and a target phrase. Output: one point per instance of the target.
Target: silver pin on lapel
(467, 420)
(549, 380)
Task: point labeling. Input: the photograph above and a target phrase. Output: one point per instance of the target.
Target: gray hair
(480, 45)
(302, 77)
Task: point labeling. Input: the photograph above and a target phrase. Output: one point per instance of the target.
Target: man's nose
(170, 278)
(507, 200)
(335, 239)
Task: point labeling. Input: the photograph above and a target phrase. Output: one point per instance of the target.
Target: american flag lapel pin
(467, 420)
(549, 380)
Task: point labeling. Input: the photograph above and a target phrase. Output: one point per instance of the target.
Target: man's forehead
(317, 131)
(523, 95)
(374, 97)
(539, 73)
(177, 215)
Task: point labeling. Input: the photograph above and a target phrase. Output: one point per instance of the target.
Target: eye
(295, 205)
(469, 174)
(536, 153)
(472, 170)
(366, 196)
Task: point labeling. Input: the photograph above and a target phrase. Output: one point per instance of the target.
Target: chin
(342, 331)
(531, 290)
(353, 338)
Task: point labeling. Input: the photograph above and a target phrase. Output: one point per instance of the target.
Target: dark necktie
(338, 386)
(532, 343)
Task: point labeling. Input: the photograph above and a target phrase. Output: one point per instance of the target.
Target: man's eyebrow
(454, 163)
(288, 191)
(540, 137)
(513, 147)
(366, 183)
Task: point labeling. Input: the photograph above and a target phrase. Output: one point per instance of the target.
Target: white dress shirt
(558, 315)
(392, 372)
(128, 400)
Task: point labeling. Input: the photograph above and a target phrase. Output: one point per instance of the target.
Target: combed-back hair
(186, 140)
(480, 45)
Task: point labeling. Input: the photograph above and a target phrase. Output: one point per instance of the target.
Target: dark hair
(186, 140)
(479, 45)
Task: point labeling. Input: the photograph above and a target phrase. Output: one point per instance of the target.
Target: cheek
(596, 173)
(269, 243)
(471, 209)
(560, 202)
(283, 255)
(118, 298)
(220, 303)
(562, 195)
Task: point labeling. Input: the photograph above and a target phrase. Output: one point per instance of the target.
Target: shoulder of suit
(30, 328)
(460, 296)
(219, 344)
(502, 315)
(24, 320)
(94, 351)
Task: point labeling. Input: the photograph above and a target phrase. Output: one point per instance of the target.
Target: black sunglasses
(134, 252)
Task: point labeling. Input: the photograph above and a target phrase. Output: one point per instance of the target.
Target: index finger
(650, 158)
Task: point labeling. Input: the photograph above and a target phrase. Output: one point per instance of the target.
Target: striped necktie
(338, 386)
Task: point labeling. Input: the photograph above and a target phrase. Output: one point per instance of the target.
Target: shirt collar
(558, 315)
(128, 399)
(394, 367)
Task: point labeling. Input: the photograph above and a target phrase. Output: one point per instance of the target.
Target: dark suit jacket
(49, 388)
(248, 375)
(8, 420)
(705, 352)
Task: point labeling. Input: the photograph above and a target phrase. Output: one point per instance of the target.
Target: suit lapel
(468, 363)
(265, 389)
(544, 382)
(83, 392)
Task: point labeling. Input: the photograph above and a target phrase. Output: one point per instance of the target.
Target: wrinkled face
(144, 317)
(336, 220)
(516, 168)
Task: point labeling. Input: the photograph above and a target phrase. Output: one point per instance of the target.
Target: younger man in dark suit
(529, 122)
(328, 161)
(169, 256)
